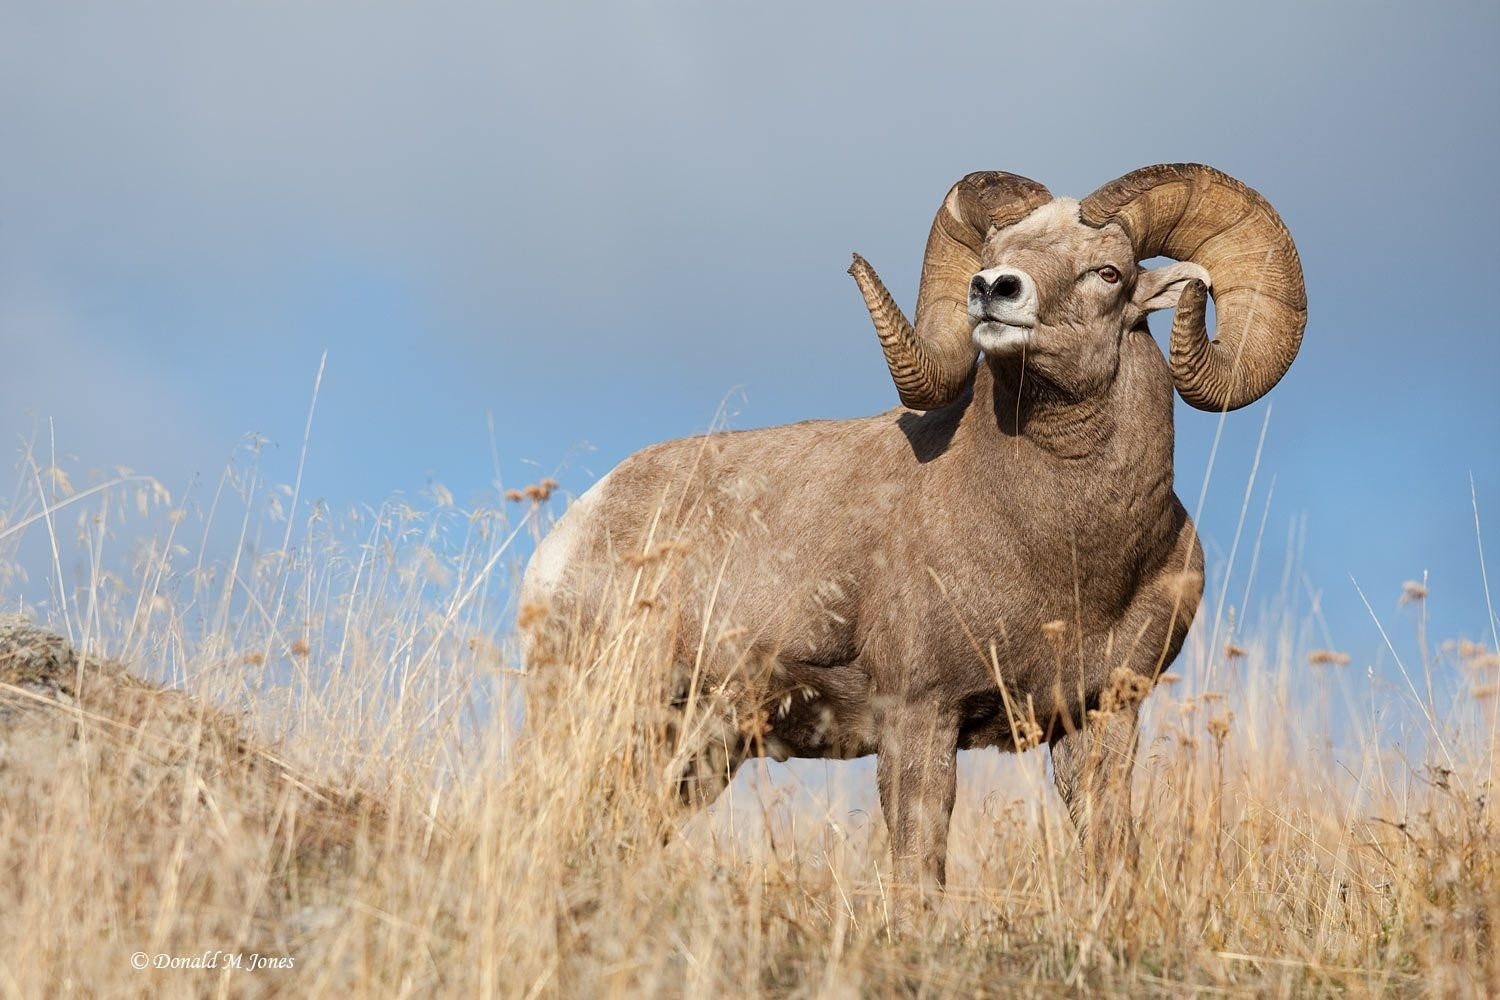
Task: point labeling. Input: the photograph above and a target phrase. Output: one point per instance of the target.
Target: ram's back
(757, 537)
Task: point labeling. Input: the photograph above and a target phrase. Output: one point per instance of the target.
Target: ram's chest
(1075, 544)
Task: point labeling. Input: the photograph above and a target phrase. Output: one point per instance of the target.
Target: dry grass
(361, 799)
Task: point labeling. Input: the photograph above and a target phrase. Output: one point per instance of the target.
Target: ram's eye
(1110, 273)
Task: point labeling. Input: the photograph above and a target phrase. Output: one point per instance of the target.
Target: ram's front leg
(1092, 763)
(1092, 768)
(917, 774)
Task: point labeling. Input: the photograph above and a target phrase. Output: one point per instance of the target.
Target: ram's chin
(1001, 339)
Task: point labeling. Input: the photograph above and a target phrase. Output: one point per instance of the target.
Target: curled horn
(1191, 212)
(932, 362)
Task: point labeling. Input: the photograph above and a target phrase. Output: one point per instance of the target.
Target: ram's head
(1053, 284)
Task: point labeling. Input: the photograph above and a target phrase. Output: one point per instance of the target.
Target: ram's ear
(1159, 287)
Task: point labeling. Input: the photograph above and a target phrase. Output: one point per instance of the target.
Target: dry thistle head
(1476, 655)
(1185, 587)
(1328, 657)
(1233, 652)
(300, 647)
(654, 554)
(1412, 592)
(1028, 734)
(1467, 650)
(537, 492)
(1218, 726)
(515, 496)
(1055, 633)
(754, 724)
(1126, 688)
(532, 613)
(484, 649)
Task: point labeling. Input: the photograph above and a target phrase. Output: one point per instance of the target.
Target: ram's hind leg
(703, 745)
(709, 771)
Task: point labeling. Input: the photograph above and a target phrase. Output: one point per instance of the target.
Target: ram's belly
(835, 713)
(819, 712)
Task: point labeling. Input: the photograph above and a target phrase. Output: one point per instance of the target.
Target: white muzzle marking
(996, 339)
(1003, 321)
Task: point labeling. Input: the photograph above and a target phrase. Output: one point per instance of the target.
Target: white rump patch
(544, 573)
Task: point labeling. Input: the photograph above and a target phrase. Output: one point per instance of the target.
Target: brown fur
(910, 584)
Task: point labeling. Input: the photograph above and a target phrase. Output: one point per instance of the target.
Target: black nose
(1006, 286)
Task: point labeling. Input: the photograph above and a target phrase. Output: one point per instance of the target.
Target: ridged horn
(932, 362)
(1191, 212)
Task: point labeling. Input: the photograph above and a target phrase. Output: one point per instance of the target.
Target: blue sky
(598, 223)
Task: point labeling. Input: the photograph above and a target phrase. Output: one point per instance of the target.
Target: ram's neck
(1078, 459)
(1013, 404)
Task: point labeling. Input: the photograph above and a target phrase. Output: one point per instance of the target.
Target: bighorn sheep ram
(1002, 561)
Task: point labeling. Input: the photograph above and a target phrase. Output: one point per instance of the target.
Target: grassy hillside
(311, 751)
